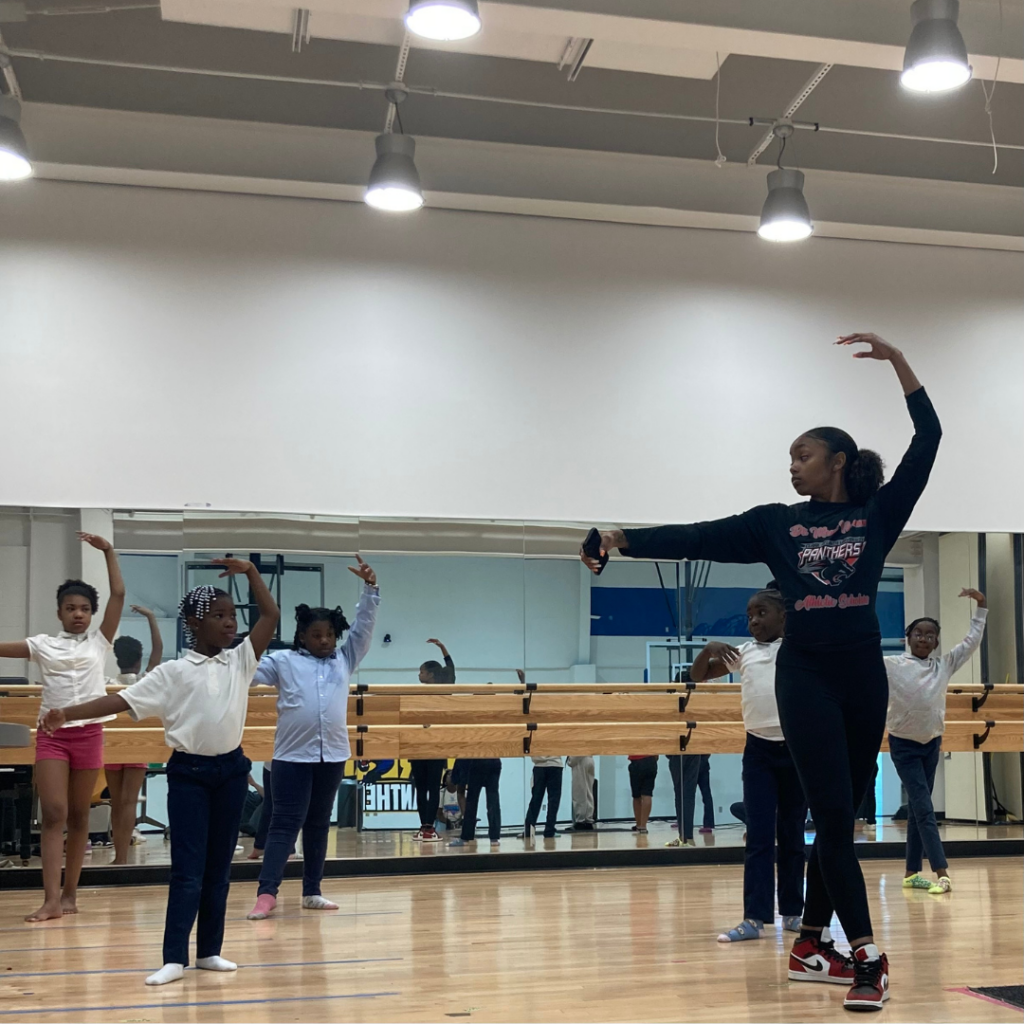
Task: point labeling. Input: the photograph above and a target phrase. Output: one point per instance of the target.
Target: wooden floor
(348, 843)
(620, 944)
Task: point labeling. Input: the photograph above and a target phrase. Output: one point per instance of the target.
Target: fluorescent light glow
(935, 76)
(443, 20)
(785, 230)
(13, 166)
(394, 198)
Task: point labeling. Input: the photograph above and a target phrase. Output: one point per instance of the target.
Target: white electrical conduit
(473, 97)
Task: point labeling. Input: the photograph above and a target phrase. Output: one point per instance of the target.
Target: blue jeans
(205, 796)
(916, 764)
(304, 795)
(266, 812)
(484, 774)
(775, 807)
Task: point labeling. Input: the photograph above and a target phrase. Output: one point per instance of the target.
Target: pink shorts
(118, 767)
(81, 746)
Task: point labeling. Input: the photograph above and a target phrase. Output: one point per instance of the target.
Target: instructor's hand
(610, 541)
(880, 348)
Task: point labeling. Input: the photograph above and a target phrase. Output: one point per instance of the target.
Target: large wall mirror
(508, 602)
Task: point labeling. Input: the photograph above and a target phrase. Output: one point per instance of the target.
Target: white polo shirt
(757, 679)
(72, 666)
(201, 701)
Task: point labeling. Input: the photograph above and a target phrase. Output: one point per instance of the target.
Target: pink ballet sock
(265, 903)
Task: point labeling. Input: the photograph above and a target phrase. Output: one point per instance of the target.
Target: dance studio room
(511, 510)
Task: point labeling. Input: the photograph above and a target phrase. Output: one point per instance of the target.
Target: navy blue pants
(304, 796)
(484, 775)
(916, 764)
(774, 802)
(691, 772)
(545, 778)
(205, 796)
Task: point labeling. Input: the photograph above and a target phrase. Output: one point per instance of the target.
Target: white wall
(170, 347)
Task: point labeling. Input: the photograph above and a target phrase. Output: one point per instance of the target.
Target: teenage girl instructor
(827, 554)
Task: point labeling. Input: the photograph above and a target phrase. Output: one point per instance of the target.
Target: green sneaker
(943, 885)
(917, 881)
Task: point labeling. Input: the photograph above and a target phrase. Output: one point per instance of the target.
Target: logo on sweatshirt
(830, 554)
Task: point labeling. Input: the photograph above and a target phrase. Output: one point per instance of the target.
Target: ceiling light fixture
(936, 56)
(394, 181)
(14, 161)
(443, 20)
(785, 216)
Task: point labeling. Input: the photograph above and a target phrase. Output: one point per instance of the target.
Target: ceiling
(222, 95)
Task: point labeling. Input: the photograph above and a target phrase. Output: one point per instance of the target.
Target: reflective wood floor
(618, 944)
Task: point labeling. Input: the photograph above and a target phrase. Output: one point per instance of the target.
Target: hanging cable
(398, 118)
(720, 158)
(989, 93)
(782, 149)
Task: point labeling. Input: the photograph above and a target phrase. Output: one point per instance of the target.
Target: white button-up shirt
(201, 701)
(72, 667)
(917, 687)
(757, 679)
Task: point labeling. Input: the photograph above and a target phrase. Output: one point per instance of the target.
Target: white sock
(318, 902)
(826, 935)
(167, 973)
(215, 963)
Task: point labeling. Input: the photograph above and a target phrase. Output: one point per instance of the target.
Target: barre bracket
(531, 727)
(360, 729)
(979, 740)
(978, 702)
(684, 741)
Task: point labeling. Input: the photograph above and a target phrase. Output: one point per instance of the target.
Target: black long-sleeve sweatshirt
(827, 557)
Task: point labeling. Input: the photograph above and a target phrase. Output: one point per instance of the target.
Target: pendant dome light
(785, 216)
(394, 181)
(443, 20)
(936, 56)
(14, 161)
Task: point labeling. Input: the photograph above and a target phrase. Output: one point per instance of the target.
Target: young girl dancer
(917, 718)
(771, 786)
(827, 554)
(202, 700)
(125, 780)
(68, 762)
(311, 743)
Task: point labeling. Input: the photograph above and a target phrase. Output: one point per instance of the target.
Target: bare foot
(49, 911)
(69, 904)
(255, 855)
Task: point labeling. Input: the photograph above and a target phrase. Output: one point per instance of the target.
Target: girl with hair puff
(311, 744)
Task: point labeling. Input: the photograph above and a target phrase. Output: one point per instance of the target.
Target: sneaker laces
(828, 950)
(867, 972)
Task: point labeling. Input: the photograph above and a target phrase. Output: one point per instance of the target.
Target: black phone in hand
(592, 548)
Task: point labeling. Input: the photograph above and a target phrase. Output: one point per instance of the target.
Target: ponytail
(864, 472)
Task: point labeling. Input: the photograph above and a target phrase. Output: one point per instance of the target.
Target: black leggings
(832, 706)
(426, 777)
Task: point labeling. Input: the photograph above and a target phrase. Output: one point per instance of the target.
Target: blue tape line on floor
(206, 1002)
(141, 970)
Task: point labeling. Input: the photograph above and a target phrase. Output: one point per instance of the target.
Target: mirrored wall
(504, 601)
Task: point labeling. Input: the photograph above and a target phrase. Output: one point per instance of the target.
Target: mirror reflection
(503, 699)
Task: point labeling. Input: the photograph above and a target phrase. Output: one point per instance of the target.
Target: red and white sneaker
(871, 983)
(812, 960)
(429, 835)
(417, 836)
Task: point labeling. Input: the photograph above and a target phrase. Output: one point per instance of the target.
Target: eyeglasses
(921, 636)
